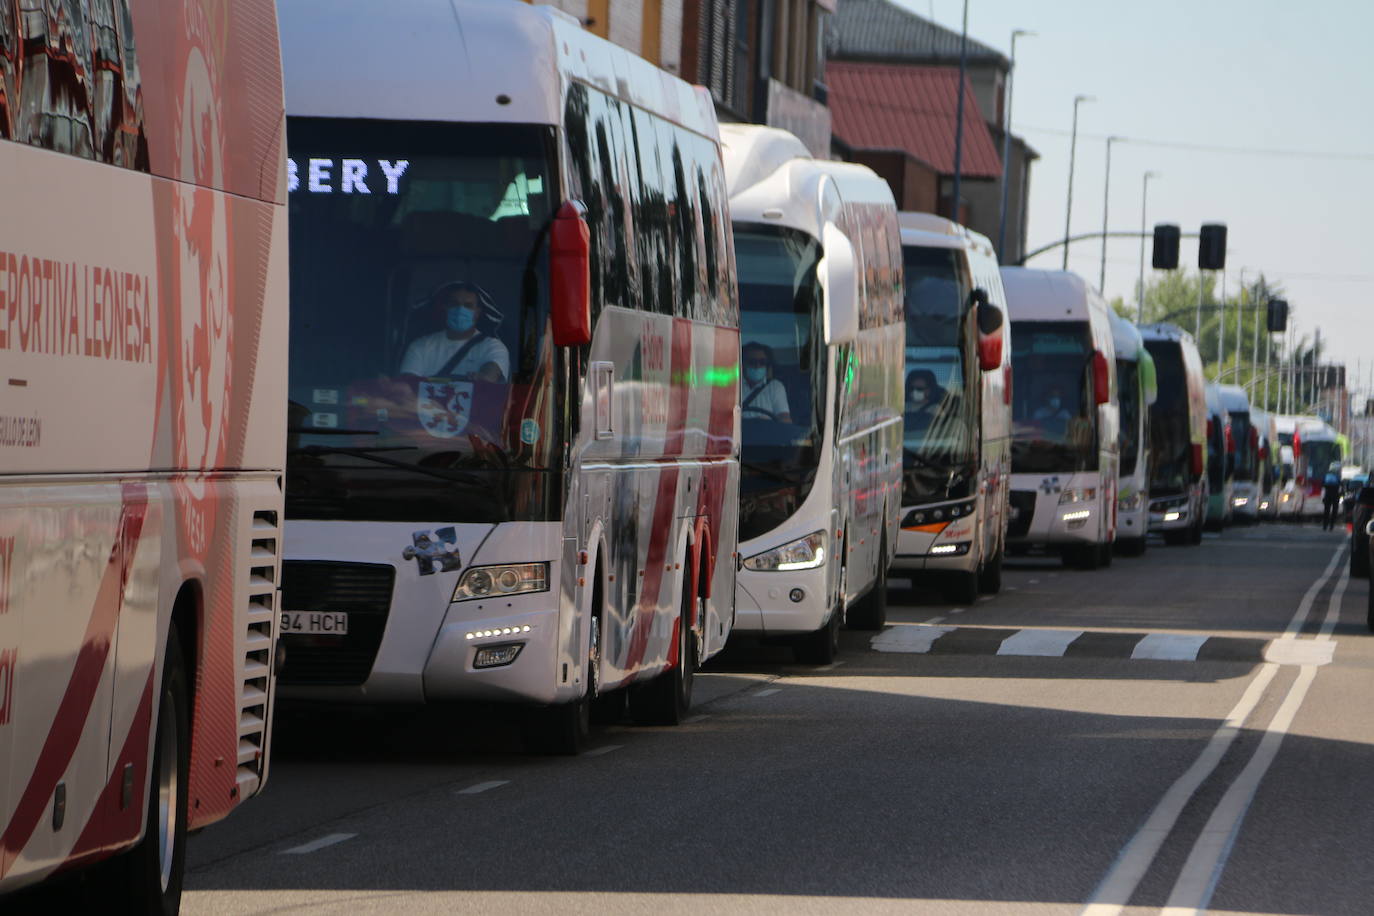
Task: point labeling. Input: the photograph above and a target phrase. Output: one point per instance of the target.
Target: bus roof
(1234, 399)
(1049, 295)
(464, 61)
(1165, 331)
(926, 230)
(1129, 344)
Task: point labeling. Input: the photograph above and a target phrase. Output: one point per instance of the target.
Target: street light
(1106, 198)
(959, 116)
(1073, 149)
(1006, 147)
(1144, 192)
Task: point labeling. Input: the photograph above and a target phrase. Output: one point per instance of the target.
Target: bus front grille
(360, 590)
(1022, 510)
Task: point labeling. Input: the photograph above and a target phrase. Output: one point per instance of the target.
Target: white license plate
(330, 623)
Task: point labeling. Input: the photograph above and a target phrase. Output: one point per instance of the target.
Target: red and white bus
(142, 334)
(513, 455)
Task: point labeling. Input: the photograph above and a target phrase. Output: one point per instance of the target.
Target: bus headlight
(499, 581)
(1077, 495)
(803, 553)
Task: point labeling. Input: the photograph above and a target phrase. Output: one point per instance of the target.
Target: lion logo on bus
(444, 408)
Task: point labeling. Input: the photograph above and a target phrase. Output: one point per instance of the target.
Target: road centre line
(1202, 871)
(1038, 642)
(1135, 859)
(603, 749)
(768, 691)
(480, 787)
(316, 845)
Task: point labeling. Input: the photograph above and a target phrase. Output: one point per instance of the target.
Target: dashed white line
(1172, 647)
(603, 749)
(908, 638)
(1038, 642)
(957, 610)
(986, 598)
(699, 717)
(934, 620)
(768, 691)
(317, 845)
(478, 788)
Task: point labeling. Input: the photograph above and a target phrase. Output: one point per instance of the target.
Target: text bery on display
(347, 176)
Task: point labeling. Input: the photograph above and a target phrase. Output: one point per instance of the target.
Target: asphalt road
(1147, 739)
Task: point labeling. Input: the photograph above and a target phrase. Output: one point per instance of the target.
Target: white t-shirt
(769, 404)
(427, 355)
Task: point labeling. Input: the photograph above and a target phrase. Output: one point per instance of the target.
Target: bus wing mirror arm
(990, 320)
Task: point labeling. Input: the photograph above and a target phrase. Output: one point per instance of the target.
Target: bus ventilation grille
(363, 591)
(259, 645)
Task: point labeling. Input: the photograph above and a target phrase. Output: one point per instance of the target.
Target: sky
(1250, 74)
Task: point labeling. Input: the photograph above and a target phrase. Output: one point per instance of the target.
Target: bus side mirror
(990, 321)
(1102, 379)
(570, 276)
(839, 279)
(1198, 463)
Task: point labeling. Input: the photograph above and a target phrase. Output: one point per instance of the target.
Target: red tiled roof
(913, 109)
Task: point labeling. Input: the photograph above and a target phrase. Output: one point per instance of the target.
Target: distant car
(1362, 514)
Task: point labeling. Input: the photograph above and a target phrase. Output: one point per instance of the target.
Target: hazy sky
(1255, 74)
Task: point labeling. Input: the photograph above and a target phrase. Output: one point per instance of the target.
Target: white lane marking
(768, 692)
(986, 598)
(1136, 856)
(1139, 853)
(957, 610)
(1198, 880)
(1034, 582)
(908, 638)
(317, 845)
(1300, 652)
(1197, 883)
(1174, 647)
(1295, 625)
(1038, 642)
(604, 749)
(480, 787)
(1009, 588)
(934, 620)
(700, 717)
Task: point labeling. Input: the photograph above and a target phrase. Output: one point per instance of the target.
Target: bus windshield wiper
(371, 455)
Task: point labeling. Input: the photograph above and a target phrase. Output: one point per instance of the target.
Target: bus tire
(820, 647)
(1196, 535)
(565, 729)
(1359, 561)
(665, 699)
(990, 576)
(148, 878)
(1104, 555)
(961, 587)
(870, 611)
(1369, 611)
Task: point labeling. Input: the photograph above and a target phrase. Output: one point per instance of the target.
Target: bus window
(1052, 411)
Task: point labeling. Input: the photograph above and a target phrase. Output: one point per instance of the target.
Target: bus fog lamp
(796, 595)
(496, 656)
(493, 581)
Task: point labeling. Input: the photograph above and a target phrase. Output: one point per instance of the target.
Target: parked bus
(1136, 391)
(1290, 494)
(513, 463)
(1221, 461)
(1064, 417)
(1317, 446)
(1271, 469)
(142, 326)
(820, 276)
(956, 454)
(1246, 472)
(1178, 436)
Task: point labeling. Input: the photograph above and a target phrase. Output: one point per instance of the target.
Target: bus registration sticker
(331, 623)
(444, 407)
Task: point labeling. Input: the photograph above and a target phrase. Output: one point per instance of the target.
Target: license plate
(330, 623)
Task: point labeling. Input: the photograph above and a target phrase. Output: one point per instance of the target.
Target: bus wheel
(1369, 612)
(1104, 555)
(666, 699)
(565, 729)
(990, 577)
(149, 876)
(1196, 537)
(870, 611)
(820, 647)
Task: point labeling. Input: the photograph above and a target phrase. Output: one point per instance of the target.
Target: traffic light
(1211, 247)
(1165, 256)
(1278, 315)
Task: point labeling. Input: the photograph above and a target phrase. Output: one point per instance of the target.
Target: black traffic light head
(1278, 315)
(1165, 256)
(1211, 247)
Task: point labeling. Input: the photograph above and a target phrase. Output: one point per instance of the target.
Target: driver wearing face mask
(762, 397)
(461, 350)
(1053, 408)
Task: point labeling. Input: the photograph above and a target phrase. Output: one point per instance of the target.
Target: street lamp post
(1006, 149)
(959, 117)
(1106, 200)
(1144, 193)
(1073, 149)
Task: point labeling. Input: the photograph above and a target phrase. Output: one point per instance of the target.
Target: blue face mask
(755, 374)
(1054, 403)
(461, 319)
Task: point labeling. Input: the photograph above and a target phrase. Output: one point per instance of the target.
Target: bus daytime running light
(948, 550)
(497, 631)
(1078, 516)
(1240, 501)
(498, 581)
(1172, 516)
(803, 553)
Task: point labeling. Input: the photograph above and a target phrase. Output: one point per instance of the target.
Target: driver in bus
(763, 396)
(1053, 407)
(923, 393)
(461, 350)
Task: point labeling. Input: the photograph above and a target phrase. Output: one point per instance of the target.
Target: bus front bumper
(781, 603)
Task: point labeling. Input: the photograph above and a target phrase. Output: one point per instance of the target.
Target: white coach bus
(1178, 436)
(956, 448)
(819, 264)
(143, 335)
(513, 456)
(1247, 474)
(1064, 417)
(1136, 392)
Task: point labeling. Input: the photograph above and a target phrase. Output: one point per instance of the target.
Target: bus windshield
(939, 458)
(783, 387)
(1317, 456)
(1170, 423)
(1245, 455)
(420, 366)
(1052, 412)
(1128, 396)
